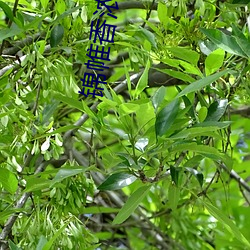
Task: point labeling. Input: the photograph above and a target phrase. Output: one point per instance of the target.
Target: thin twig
(235, 176)
(148, 14)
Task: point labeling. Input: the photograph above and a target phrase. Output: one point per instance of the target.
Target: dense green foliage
(161, 161)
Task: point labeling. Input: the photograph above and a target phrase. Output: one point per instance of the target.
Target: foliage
(160, 162)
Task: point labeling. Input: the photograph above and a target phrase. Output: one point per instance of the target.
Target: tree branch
(21, 44)
(20, 203)
(235, 176)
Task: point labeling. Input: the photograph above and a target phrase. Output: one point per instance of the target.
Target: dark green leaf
(42, 242)
(213, 124)
(188, 105)
(198, 85)
(223, 41)
(7, 10)
(245, 2)
(143, 81)
(244, 45)
(13, 246)
(158, 97)
(68, 12)
(132, 203)
(117, 181)
(13, 31)
(194, 161)
(145, 34)
(9, 211)
(193, 132)
(125, 158)
(238, 33)
(49, 110)
(70, 101)
(19, 21)
(216, 110)
(64, 173)
(56, 35)
(177, 74)
(198, 175)
(166, 117)
(36, 21)
(8, 180)
(174, 172)
(229, 224)
(173, 196)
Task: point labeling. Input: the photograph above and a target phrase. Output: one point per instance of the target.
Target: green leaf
(56, 35)
(35, 184)
(202, 114)
(56, 131)
(117, 181)
(13, 246)
(143, 81)
(70, 101)
(198, 175)
(244, 45)
(19, 20)
(8, 180)
(223, 41)
(9, 211)
(188, 105)
(145, 34)
(174, 172)
(132, 203)
(98, 210)
(245, 2)
(216, 110)
(227, 223)
(197, 85)
(161, 11)
(204, 150)
(9, 32)
(238, 33)
(158, 97)
(177, 74)
(49, 244)
(189, 68)
(49, 110)
(214, 61)
(193, 132)
(186, 54)
(128, 108)
(44, 3)
(194, 161)
(64, 173)
(219, 125)
(7, 10)
(166, 117)
(41, 243)
(173, 196)
(207, 46)
(36, 21)
(68, 12)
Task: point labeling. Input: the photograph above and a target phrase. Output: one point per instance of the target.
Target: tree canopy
(159, 160)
